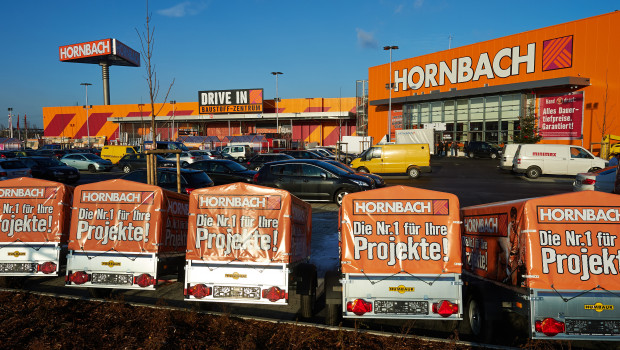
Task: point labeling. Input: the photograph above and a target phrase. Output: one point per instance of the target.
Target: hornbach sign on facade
(230, 101)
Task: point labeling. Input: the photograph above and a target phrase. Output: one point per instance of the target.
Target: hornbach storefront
(568, 75)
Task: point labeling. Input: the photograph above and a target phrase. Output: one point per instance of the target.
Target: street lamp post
(11, 122)
(389, 133)
(173, 103)
(277, 100)
(87, 107)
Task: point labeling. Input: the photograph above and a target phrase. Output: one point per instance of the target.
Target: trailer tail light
(445, 308)
(549, 327)
(274, 294)
(588, 181)
(79, 277)
(359, 307)
(199, 291)
(144, 280)
(47, 267)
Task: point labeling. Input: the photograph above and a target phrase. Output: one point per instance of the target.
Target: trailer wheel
(308, 300)
(333, 315)
(476, 319)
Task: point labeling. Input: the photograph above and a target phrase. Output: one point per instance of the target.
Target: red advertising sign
(561, 116)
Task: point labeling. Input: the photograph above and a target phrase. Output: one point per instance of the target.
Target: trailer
(400, 257)
(125, 235)
(34, 226)
(546, 266)
(249, 244)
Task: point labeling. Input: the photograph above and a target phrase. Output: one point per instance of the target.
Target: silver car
(87, 161)
(13, 168)
(186, 157)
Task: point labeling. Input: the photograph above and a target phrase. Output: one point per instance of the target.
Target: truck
(400, 257)
(545, 267)
(249, 244)
(125, 235)
(34, 227)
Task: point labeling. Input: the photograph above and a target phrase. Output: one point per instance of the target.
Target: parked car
(312, 179)
(482, 149)
(303, 154)
(13, 168)
(208, 154)
(239, 152)
(258, 160)
(508, 154)
(224, 171)
(379, 182)
(131, 162)
(52, 153)
(114, 153)
(167, 178)
(51, 169)
(25, 153)
(87, 161)
(187, 157)
(7, 154)
(600, 180)
(343, 156)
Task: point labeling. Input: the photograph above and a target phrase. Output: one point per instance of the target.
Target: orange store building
(321, 121)
(567, 74)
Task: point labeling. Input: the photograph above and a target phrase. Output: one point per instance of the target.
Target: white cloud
(186, 8)
(418, 3)
(366, 40)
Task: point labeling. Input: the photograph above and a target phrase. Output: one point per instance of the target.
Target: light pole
(173, 103)
(11, 122)
(87, 107)
(277, 100)
(390, 100)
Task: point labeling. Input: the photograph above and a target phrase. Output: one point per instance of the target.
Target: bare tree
(147, 43)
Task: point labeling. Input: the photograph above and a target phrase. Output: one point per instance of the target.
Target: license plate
(110, 278)
(592, 327)
(236, 292)
(18, 267)
(401, 307)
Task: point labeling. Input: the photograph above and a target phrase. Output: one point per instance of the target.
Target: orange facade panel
(585, 48)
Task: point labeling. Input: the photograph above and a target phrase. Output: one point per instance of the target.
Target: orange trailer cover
(567, 241)
(400, 229)
(245, 222)
(128, 216)
(34, 210)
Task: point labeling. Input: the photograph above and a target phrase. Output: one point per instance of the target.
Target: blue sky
(321, 46)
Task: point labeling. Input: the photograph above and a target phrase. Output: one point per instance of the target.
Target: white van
(508, 153)
(239, 152)
(537, 159)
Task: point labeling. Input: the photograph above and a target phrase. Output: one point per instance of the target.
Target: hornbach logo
(110, 263)
(598, 307)
(16, 254)
(402, 289)
(235, 275)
